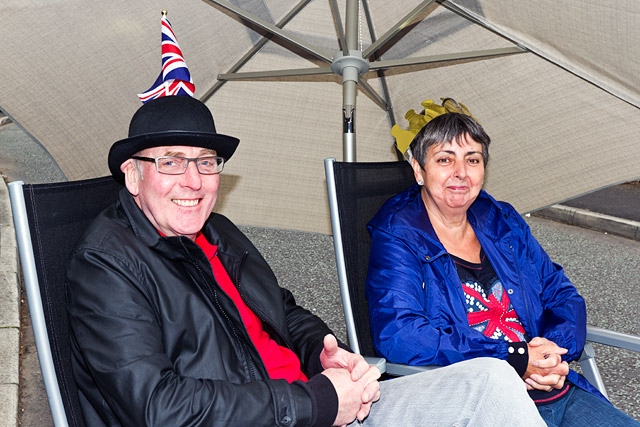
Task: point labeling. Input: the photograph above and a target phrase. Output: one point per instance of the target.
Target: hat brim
(122, 150)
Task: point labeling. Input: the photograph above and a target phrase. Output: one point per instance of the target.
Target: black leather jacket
(156, 342)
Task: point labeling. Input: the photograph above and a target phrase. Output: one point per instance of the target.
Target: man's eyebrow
(173, 153)
(204, 151)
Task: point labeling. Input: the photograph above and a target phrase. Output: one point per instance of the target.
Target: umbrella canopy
(554, 83)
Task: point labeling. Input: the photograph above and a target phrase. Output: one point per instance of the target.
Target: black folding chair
(49, 219)
(356, 191)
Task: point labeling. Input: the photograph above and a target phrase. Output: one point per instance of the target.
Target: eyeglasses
(176, 165)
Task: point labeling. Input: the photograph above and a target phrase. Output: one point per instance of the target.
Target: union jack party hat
(165, 119)
(175, 78)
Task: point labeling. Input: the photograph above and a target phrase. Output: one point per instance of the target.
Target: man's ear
(132, 176)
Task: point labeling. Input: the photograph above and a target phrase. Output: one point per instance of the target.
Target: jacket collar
(146, 232)
(406, 217)
(487, 214)
(140, 224)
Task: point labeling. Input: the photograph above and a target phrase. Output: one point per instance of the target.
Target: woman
(455, 275)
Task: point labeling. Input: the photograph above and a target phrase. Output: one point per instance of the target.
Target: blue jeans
(580, 408)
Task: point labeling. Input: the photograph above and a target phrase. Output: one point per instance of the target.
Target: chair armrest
(379, 362)
(590, 368)
(614, 339)
(398, 370)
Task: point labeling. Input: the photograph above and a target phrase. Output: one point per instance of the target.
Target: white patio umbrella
(562, 113)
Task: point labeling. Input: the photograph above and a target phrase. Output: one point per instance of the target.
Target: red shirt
(281, 362)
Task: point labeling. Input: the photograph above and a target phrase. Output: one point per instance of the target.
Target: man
(177, 320)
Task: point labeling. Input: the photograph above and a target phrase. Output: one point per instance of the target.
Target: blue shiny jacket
(416, 302)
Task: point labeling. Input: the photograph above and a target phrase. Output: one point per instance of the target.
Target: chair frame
(587, 360)
(393, 369)
(34, 299)
(25, 239)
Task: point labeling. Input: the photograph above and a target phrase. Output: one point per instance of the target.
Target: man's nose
(191, 175)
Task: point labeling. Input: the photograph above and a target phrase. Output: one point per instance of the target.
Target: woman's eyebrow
(471, 153)
(468, 153)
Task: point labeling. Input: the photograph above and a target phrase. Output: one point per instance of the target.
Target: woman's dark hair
(444, 129)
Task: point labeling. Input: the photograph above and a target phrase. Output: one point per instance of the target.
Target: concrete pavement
(592, 220)
(21, 158)
(9, 316)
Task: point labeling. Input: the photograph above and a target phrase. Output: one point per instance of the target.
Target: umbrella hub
(350, 66)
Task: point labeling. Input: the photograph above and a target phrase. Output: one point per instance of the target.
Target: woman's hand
(546, 370)
(548, 382)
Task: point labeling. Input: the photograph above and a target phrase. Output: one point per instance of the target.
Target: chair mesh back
(58, 215)
(361, 189)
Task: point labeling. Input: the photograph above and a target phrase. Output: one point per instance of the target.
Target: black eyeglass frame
(219, 162)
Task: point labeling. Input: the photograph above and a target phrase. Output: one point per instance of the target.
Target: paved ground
(603, 267)
(619, 201)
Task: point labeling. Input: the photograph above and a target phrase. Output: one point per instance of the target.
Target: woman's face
(453, 175)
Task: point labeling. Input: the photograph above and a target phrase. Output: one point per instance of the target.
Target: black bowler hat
(170, 120)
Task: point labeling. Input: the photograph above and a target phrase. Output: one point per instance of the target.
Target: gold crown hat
(417, 121)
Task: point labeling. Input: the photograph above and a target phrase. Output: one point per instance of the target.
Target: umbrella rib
(388, 106)
(366, 87)
(379, 44)
(272, 29)
(469, 17)
(255, 49)
(254, 75)
(385, 64)
(338, 23)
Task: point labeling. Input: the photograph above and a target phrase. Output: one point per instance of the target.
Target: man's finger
(372, 374)
(330, 343)
(358, 367)
(364, 411)
(370, 392)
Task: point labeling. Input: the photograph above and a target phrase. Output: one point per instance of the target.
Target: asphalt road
(603, 267)
(622, 201)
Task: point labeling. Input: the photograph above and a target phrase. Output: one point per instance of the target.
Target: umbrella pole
(349, 85)
(349, 123)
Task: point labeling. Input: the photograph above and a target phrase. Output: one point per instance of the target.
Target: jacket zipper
(524, 296)
(213, 294)
(257, 312)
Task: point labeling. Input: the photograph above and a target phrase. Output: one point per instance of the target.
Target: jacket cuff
(325, 400)
(518, 357)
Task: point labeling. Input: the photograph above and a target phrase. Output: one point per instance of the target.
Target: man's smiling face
(177, 205)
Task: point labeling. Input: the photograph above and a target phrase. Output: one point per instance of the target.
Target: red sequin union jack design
(175, 78)
(493, 315)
